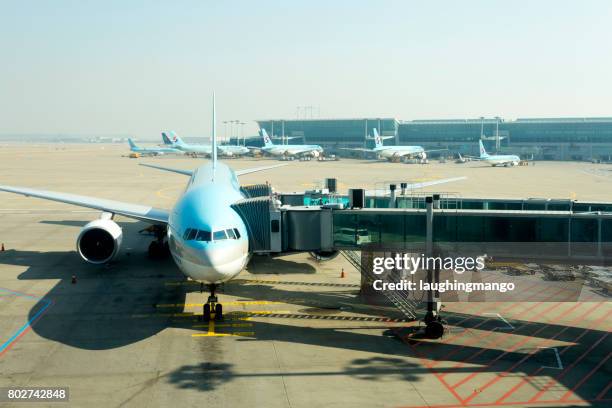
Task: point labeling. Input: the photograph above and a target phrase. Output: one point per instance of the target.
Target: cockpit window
(237, 233)
(192, 234)
(219, 235)
(203, 235)
(186, 233)
(230, 233)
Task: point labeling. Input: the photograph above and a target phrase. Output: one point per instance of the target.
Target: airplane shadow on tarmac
(96, 312)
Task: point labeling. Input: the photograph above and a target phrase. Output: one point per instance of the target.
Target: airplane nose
(218, 262)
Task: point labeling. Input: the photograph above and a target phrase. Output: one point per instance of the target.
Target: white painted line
(510, 327)
(559, 363)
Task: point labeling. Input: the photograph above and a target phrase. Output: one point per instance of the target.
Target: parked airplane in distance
(496, 159)
(394, 152)
(152, 151)
(172, 139)
(288, 150)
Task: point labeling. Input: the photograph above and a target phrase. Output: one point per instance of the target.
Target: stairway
(400, 299)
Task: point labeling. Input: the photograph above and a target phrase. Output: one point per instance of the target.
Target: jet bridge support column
(434, 328)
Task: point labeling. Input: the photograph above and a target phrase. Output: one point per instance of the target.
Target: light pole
(242, 133)
(225, 122)
(497, 144)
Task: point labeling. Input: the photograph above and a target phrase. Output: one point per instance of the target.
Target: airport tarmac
(296, 334)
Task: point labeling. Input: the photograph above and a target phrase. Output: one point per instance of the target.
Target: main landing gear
(158, 249)
(212, 306)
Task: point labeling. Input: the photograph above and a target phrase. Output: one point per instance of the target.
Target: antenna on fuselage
(214, 138)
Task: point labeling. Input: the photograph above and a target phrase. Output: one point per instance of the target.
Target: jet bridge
(577, 235)
(277, 228)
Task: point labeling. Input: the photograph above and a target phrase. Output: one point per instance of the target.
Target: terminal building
(587, 139)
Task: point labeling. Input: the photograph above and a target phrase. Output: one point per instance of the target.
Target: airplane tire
(434, 330)
(218, 311)
(206, 316)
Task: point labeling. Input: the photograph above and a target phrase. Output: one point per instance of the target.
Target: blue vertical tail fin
(132, 144)
(483, 152)
(166, 139)
(174, 138)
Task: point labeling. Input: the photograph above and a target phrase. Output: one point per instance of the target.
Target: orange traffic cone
(342, 274)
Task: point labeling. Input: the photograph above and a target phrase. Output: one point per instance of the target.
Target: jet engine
(99, 241)
(315, 154)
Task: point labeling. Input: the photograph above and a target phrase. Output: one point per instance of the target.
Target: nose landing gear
(212, 306)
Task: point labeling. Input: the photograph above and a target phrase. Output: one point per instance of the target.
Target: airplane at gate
(288, 149)
(172, 139)
(207, 239)
(394, 152)
(496, 159)
(153, 151)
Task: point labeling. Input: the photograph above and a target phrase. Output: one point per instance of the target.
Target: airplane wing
(256, 169)
(189, 172)
(414, 186)
(136, 211)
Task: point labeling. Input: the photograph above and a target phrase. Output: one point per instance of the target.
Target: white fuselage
(389, 152)
(205, 207)
(292, 150)
(501, 160)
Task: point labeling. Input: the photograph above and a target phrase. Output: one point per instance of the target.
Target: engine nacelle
(315, 153)
(99, 241)
(324, 255)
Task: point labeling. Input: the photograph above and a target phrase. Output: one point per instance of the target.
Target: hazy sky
(138, 67)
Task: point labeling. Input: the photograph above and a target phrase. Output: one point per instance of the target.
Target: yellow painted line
(224, 325)
(248, 302)
(241, 334)
(186, 314)
(262, 312)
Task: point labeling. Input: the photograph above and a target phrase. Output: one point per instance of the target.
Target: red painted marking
(504, 335)
(604, 392)
(478, 338)
(23, 333)
(505, 404)
(522, 360)
(582, 381)
(514, 347)
(511, 306)
(524, 380)
(567, 370)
